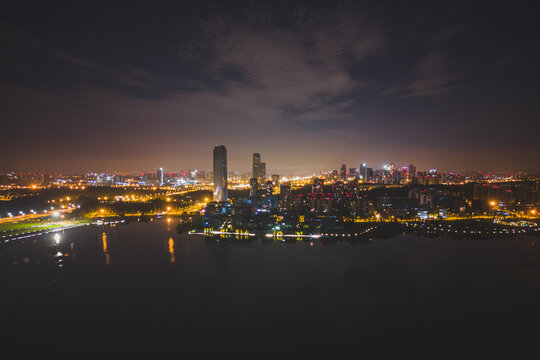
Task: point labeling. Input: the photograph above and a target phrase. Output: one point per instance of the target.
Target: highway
(34, 215)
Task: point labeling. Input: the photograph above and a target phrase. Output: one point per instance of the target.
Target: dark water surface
(143, 286)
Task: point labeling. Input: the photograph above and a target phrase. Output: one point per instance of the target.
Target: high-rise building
(369, 174)
(363, 172)
(259, 168)
(253, 186)
(159, 173)
(353, 173)
(335, 175)
(275, 184)
(262, 171)
(343, 174)
(256, 165)
(220, 173)
(411, 173)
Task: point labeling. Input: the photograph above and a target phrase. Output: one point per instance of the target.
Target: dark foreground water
(142, 286)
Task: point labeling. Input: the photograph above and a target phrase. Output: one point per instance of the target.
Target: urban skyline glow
(307, 84)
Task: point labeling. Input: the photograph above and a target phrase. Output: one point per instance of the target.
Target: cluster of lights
(440, 229)
(349, 234)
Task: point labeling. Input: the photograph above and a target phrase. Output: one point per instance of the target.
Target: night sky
(308, 84)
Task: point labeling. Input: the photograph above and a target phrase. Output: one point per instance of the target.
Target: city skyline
(270, 176)
(243, 169)
(308, 84)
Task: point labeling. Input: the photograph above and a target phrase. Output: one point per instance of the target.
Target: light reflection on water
(263, 286)
(105, 248)
(171, 249)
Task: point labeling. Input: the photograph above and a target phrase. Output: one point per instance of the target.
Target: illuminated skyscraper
(256, 164)
(259, 168)
(363, 171)
(412, 170)
(369, 174)
(262, 170)
(159, 173)
(411, 173)
(220, 173)
(343, 174)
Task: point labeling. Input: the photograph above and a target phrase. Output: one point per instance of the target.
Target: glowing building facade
(220, 173)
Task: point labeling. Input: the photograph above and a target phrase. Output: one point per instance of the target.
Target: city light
(343, 174)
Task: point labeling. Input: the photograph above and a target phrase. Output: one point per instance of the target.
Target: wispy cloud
(432, 77)
(39, 52)
(294, 71)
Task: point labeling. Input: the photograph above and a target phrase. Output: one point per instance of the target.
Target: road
(34, 216)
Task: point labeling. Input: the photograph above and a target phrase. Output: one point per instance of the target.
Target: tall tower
(363, 171)
(256, 165)
(160, 176)
(262, 171)
(259, 168)
(220, 173)
(343, 173)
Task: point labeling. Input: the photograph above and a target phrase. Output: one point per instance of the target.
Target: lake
(143, 286)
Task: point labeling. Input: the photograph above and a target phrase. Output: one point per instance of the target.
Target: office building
(220, 173)
(412, 170)
(256, 165)
(369, 174)
(262, 171)
(343, 174)
(259, 168)
(159, 173)
(363, 172)
(253, 187)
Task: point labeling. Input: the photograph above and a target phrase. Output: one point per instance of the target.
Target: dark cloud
(308, 84)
